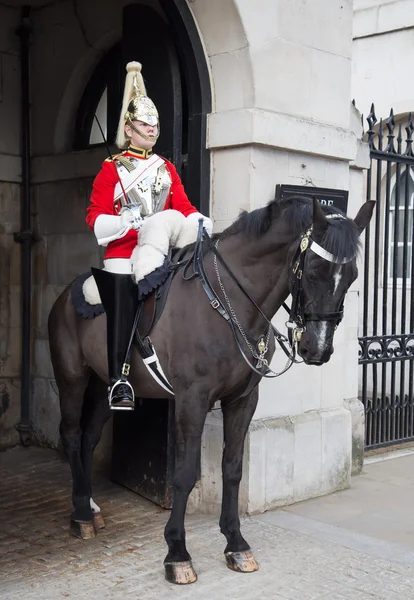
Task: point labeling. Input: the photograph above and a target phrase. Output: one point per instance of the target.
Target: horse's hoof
(180, 572)
(82, 529)
(242, 562)
(98, 520)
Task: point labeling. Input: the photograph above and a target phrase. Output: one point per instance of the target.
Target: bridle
(297, 316)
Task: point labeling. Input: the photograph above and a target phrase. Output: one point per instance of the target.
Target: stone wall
(382, 56)
(61, 184)
(65, 248)
(10, 330)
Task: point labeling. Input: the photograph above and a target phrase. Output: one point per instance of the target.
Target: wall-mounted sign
(326, 196)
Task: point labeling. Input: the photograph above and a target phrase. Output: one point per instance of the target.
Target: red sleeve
(102, 197)
(178, 198)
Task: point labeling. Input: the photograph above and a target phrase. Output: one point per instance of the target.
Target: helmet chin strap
(146, 137)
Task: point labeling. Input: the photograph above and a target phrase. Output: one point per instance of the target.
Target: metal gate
(386, 353)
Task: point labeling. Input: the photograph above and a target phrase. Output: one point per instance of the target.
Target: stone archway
(62, 178)
(224, 37)
(66, 114)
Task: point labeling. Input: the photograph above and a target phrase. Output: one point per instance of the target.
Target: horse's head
(323, 269)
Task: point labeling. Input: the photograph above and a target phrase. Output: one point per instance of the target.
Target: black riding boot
(119, 297)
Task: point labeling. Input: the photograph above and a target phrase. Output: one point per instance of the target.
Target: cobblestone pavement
(299, 558)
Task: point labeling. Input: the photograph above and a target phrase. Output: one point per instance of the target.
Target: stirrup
(119, 405)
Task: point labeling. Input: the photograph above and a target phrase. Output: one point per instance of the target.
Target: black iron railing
(386, 351)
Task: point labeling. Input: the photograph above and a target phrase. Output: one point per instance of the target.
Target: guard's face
(148, 131)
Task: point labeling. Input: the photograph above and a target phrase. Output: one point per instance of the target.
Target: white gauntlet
(207, 222)
(108, 228)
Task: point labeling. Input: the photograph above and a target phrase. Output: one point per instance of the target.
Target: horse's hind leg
(189, 423)
(236, 421)
(94, 416)
(71, 393)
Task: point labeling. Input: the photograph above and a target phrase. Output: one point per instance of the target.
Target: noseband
(297, 315)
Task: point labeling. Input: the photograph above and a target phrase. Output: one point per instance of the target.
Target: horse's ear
(364, 215)
(320, 222)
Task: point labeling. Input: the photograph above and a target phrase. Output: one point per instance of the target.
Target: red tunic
(102, 203)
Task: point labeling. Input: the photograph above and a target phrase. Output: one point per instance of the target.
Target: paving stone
(41, 561)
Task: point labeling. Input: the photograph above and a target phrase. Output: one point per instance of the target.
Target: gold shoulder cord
(128, 164)
(112, 158)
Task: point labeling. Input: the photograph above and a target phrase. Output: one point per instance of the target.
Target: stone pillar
(10, 178)
(357, 192)
(292, 126)
(382, 52)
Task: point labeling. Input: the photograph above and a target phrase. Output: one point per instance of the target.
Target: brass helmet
(136, 106)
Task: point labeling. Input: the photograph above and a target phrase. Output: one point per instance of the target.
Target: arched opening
(176, 77)
(101, 97)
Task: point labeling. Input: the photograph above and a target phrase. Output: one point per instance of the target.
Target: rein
(258, 348)
(296, 323)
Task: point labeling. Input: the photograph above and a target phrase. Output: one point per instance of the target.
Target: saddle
(153, 293)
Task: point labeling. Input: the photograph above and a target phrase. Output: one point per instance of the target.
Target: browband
(327, 255)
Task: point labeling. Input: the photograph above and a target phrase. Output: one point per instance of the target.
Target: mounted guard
(130, 189)
(287, 247)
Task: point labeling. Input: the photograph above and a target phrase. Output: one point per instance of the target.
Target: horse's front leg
(189, 423)
(236, 421)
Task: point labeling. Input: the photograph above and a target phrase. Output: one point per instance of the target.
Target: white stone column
(292, 126)
(357, 194)
(382, 56)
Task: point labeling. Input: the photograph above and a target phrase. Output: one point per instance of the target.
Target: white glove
(207, 222)
(108, 228)
(131, 218)
(208, 225)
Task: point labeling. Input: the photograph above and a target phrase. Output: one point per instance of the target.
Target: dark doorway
(176, 79)
(148, 39)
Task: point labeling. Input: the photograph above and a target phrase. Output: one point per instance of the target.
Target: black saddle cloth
(149, 284)
(83, 308)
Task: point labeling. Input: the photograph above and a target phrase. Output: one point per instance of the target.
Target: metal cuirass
(145, 184)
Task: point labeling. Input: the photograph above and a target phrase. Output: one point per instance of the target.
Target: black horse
(291, 246)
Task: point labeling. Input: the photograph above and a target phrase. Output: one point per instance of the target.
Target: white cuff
(108, 228)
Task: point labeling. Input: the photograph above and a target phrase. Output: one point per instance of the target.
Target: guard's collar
(139, 152)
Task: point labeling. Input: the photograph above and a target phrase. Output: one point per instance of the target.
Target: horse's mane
(341, 237)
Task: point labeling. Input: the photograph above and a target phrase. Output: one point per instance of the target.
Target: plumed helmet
(136, 106)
